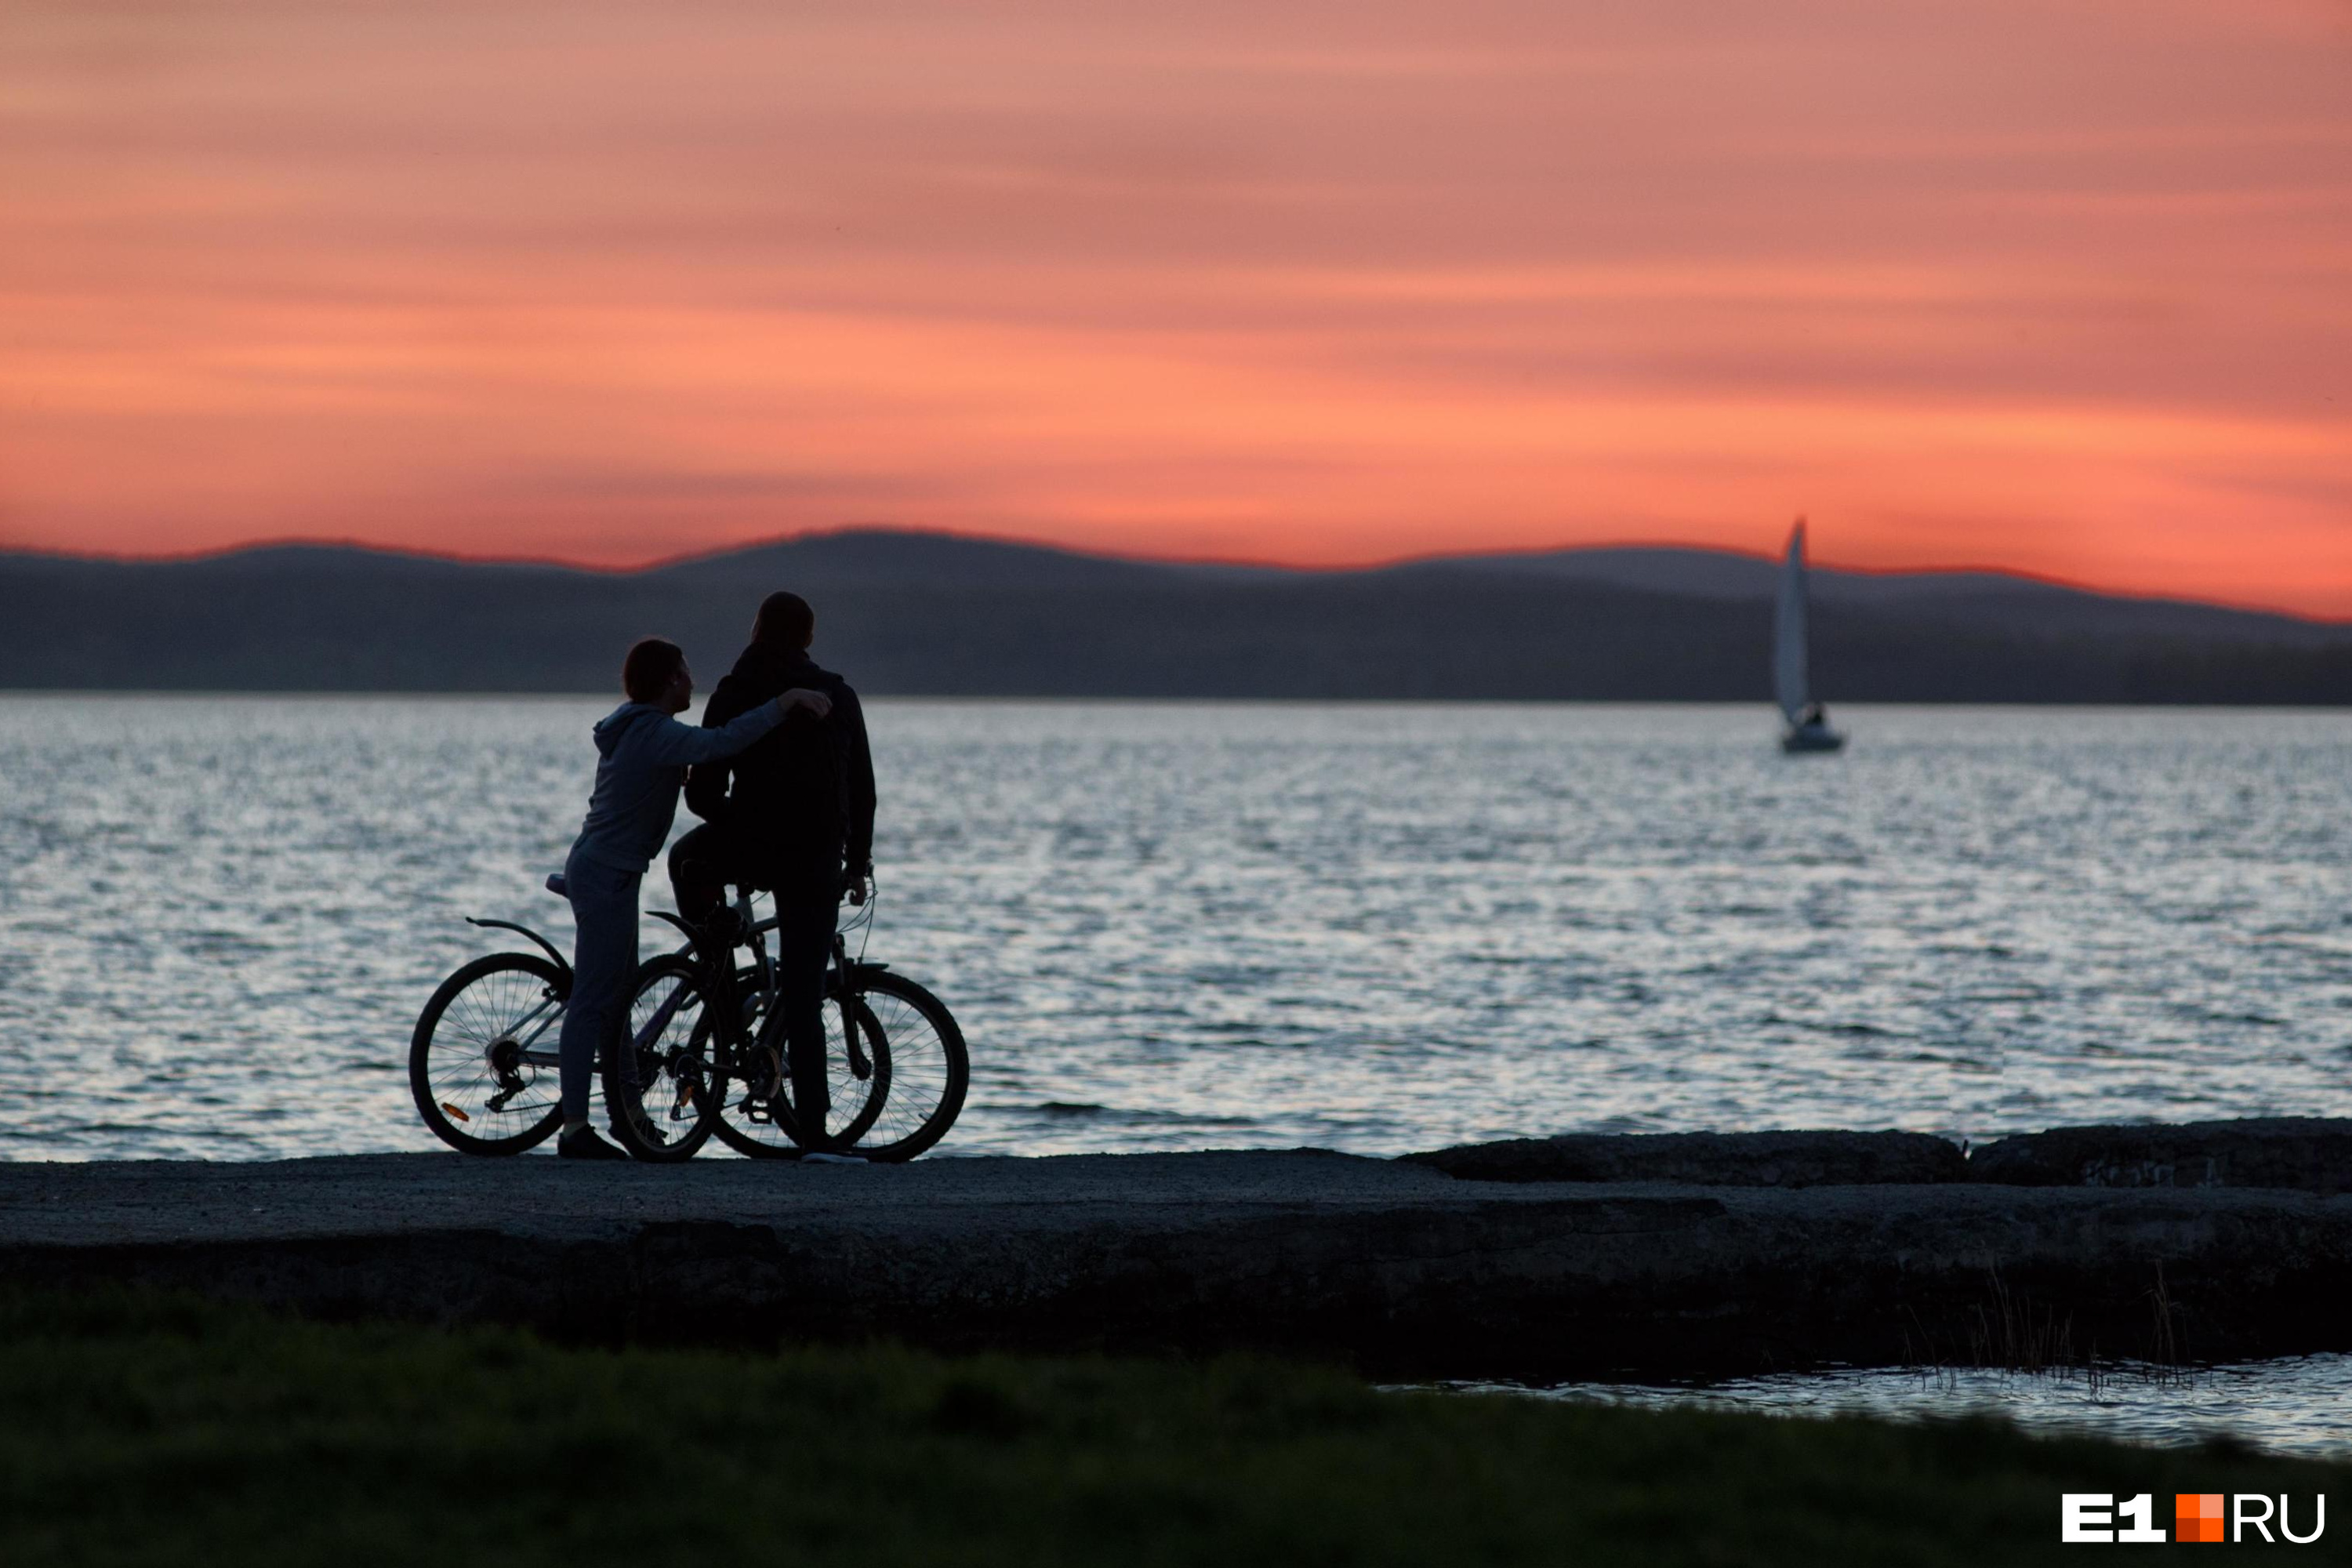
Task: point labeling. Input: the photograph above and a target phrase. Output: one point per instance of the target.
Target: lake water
(1370, 927)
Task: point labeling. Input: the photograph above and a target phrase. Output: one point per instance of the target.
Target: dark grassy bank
(144, 1430)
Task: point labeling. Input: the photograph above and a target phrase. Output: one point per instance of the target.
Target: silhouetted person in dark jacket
(793, 814)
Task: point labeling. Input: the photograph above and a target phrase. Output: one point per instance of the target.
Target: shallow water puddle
(2296, 1404)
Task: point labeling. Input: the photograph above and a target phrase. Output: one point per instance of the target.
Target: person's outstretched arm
(676, 742)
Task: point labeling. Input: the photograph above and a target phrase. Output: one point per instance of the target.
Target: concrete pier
(1393, 1265)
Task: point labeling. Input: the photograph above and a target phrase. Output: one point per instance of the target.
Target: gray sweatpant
(604, 966)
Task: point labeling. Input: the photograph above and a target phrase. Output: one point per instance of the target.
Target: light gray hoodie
(642, 754)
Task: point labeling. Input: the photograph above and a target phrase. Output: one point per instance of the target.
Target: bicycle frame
(767, 986)
(526, 1051)
(529, 1051)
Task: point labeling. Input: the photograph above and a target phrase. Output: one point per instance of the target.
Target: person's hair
(651, 663)
(784, 619)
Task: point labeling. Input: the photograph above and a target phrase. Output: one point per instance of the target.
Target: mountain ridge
(1752, 567)
(927, 612)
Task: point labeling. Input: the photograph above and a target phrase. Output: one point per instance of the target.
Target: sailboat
(1793, 685)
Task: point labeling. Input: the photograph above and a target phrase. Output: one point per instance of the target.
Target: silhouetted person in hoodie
(793, 814)
(642, 753)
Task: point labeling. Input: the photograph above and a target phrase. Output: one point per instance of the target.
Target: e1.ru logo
(2089, 1517)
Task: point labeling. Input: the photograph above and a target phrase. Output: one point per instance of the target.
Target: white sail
(1792, 668)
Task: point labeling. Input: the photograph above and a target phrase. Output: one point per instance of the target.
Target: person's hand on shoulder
(812, 702)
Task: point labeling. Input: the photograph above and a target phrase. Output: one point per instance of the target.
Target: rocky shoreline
(1686, 1255)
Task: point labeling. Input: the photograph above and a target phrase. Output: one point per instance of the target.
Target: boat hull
(1797, 742)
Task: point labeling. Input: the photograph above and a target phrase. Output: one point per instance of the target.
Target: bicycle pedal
(756, 1112)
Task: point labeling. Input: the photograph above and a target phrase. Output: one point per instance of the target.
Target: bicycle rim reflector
(455, 1113)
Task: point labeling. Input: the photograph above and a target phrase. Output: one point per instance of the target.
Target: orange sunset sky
(2063, 286)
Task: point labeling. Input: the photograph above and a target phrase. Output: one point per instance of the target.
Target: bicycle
(484, 1069)
(484, 1066)
(482, 1063)
(708, 1039)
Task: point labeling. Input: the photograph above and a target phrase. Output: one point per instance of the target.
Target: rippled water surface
(1375, 927)
(2297, 1404)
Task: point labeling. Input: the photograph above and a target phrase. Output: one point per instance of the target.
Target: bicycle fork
(852, 1038)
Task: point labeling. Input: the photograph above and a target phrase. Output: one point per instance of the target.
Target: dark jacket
(804, 794)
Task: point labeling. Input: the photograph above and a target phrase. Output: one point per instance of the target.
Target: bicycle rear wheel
(470, 1065)
(929, 1072)
(859, 1081)
(663, 1080)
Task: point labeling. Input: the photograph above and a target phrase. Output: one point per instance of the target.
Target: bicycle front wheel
(482, 1065)
(859, 1079)
(662, 1081)
(929, 1072)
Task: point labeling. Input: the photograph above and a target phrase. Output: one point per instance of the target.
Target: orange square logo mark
(2197, 1516)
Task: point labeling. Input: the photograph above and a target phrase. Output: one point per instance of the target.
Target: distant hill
(916, 613)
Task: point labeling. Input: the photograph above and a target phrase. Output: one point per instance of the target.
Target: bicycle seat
(558, 886)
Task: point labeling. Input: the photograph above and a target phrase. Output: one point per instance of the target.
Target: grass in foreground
(162, 1431)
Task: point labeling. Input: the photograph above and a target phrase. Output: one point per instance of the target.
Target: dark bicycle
(708, 1051)
(482, 1063)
